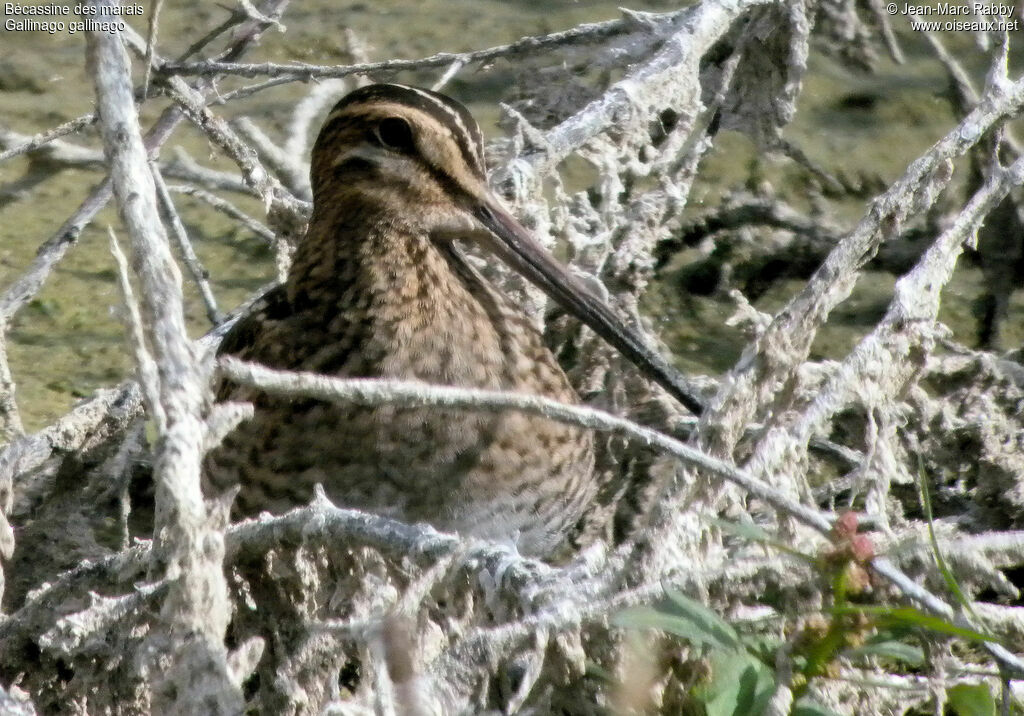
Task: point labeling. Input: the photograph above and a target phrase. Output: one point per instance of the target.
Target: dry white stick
(189, 547)
(188, 253)
(10, 417)
(383, 688)
(52, 251)
(106, 413)
(289, 168)
(771, 362)
(882, 19)
(256, 16)
(76, 631)
(1003, 549)
(149, 378)
(371, 392)
(319, 98)
(529, 582)
(669, 76)
(585, 33)
(965, 94)
(183, 166)
(226, 207)
(28, 144)
(15, 702)
(449, 74)
(693, 33)
(883, 362)
(279, 201)
(52, 150)
(154, 21)
(1001, 619)
(10, 428)
(401, 393)
(58, 154)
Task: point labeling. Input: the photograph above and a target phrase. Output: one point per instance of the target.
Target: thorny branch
(771, 361)
(587, 33)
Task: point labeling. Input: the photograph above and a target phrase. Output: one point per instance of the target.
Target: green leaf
(940, 561)
(971, 700)
(656, 618)
(913, 617)
(806, 707)
(754, 533)
(762, 646)
(706, 619)
(894, 650)
(684, 617)
(739, 685)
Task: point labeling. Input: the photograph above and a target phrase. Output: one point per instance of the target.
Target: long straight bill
(514, 245)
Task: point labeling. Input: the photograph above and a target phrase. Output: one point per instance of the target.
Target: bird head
(418, 155)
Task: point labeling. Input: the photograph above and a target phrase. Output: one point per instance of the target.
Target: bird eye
(394, 133)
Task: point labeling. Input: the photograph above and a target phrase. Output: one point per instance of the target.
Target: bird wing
(247, 337)
(242, 338)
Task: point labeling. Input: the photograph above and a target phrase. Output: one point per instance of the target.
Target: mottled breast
(428, 316)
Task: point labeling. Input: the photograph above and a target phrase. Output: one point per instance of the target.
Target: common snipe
(379, 288)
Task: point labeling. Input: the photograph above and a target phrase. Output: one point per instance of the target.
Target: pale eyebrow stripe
(474, 139)
(450, 115)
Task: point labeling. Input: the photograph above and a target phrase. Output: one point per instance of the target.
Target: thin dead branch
(120, 599)
(189, 548)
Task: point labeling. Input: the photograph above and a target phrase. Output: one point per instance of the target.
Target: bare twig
(449, 74)
(10, 417)
(880, 366)
(644, 121)
(320, 96)
(188, 254)
(413, 394)
(289, 168)
(190, 545)
(53, 250)
(43, 138)
(148, 376)
(154, 20)
(370, 392)
(771, 361)
(280, 203)
(692, 32)
(186, 168)
(228, 209)
(586, 33)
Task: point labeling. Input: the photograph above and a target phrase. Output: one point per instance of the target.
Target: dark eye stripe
(355, 164)
(335, 127)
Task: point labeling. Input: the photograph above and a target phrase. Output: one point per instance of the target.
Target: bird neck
(357, 253)
(433, 318)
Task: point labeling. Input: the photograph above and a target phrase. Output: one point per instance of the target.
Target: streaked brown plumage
(378, 288)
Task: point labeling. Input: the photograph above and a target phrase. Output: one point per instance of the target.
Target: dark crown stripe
(470, 138)
(333, 128)
(444, 110)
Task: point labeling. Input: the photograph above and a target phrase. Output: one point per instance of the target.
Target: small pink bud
(862, 547)
(846, 526)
